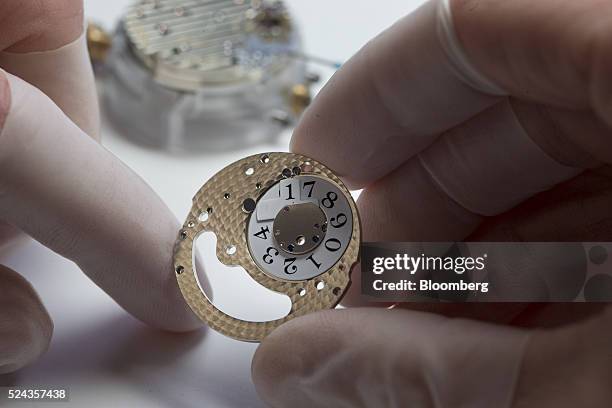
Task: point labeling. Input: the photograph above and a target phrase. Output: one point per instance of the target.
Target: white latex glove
(62, 188)
(422, 120)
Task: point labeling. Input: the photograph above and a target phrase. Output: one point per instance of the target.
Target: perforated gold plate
(218, 208)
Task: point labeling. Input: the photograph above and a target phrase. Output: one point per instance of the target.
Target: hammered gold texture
(229, 223)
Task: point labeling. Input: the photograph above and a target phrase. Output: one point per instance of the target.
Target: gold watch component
(288, 221)
(99, 42)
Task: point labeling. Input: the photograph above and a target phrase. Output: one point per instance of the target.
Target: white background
(106, 357)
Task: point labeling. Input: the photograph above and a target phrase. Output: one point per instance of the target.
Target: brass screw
(98, 42)
(299, 98)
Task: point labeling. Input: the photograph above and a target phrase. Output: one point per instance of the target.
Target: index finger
(389, 102)
(73, 196)
(432, 71)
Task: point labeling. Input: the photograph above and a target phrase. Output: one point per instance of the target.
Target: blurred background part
(202, 75)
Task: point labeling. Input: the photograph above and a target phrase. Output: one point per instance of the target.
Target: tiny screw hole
(230, 250)
(248, 205)
(320, 285)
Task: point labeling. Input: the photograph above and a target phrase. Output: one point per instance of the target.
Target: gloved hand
(62, 188)
(474, 120)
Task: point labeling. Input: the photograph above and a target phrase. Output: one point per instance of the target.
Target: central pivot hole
(299, 228)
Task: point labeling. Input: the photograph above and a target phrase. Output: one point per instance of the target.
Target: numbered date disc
(288, 221)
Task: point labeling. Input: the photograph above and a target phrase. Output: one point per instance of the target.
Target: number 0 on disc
(288, 221)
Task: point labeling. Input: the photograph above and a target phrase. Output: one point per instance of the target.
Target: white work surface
(109, 359)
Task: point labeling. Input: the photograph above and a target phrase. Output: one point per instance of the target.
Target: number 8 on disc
(288, 221)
